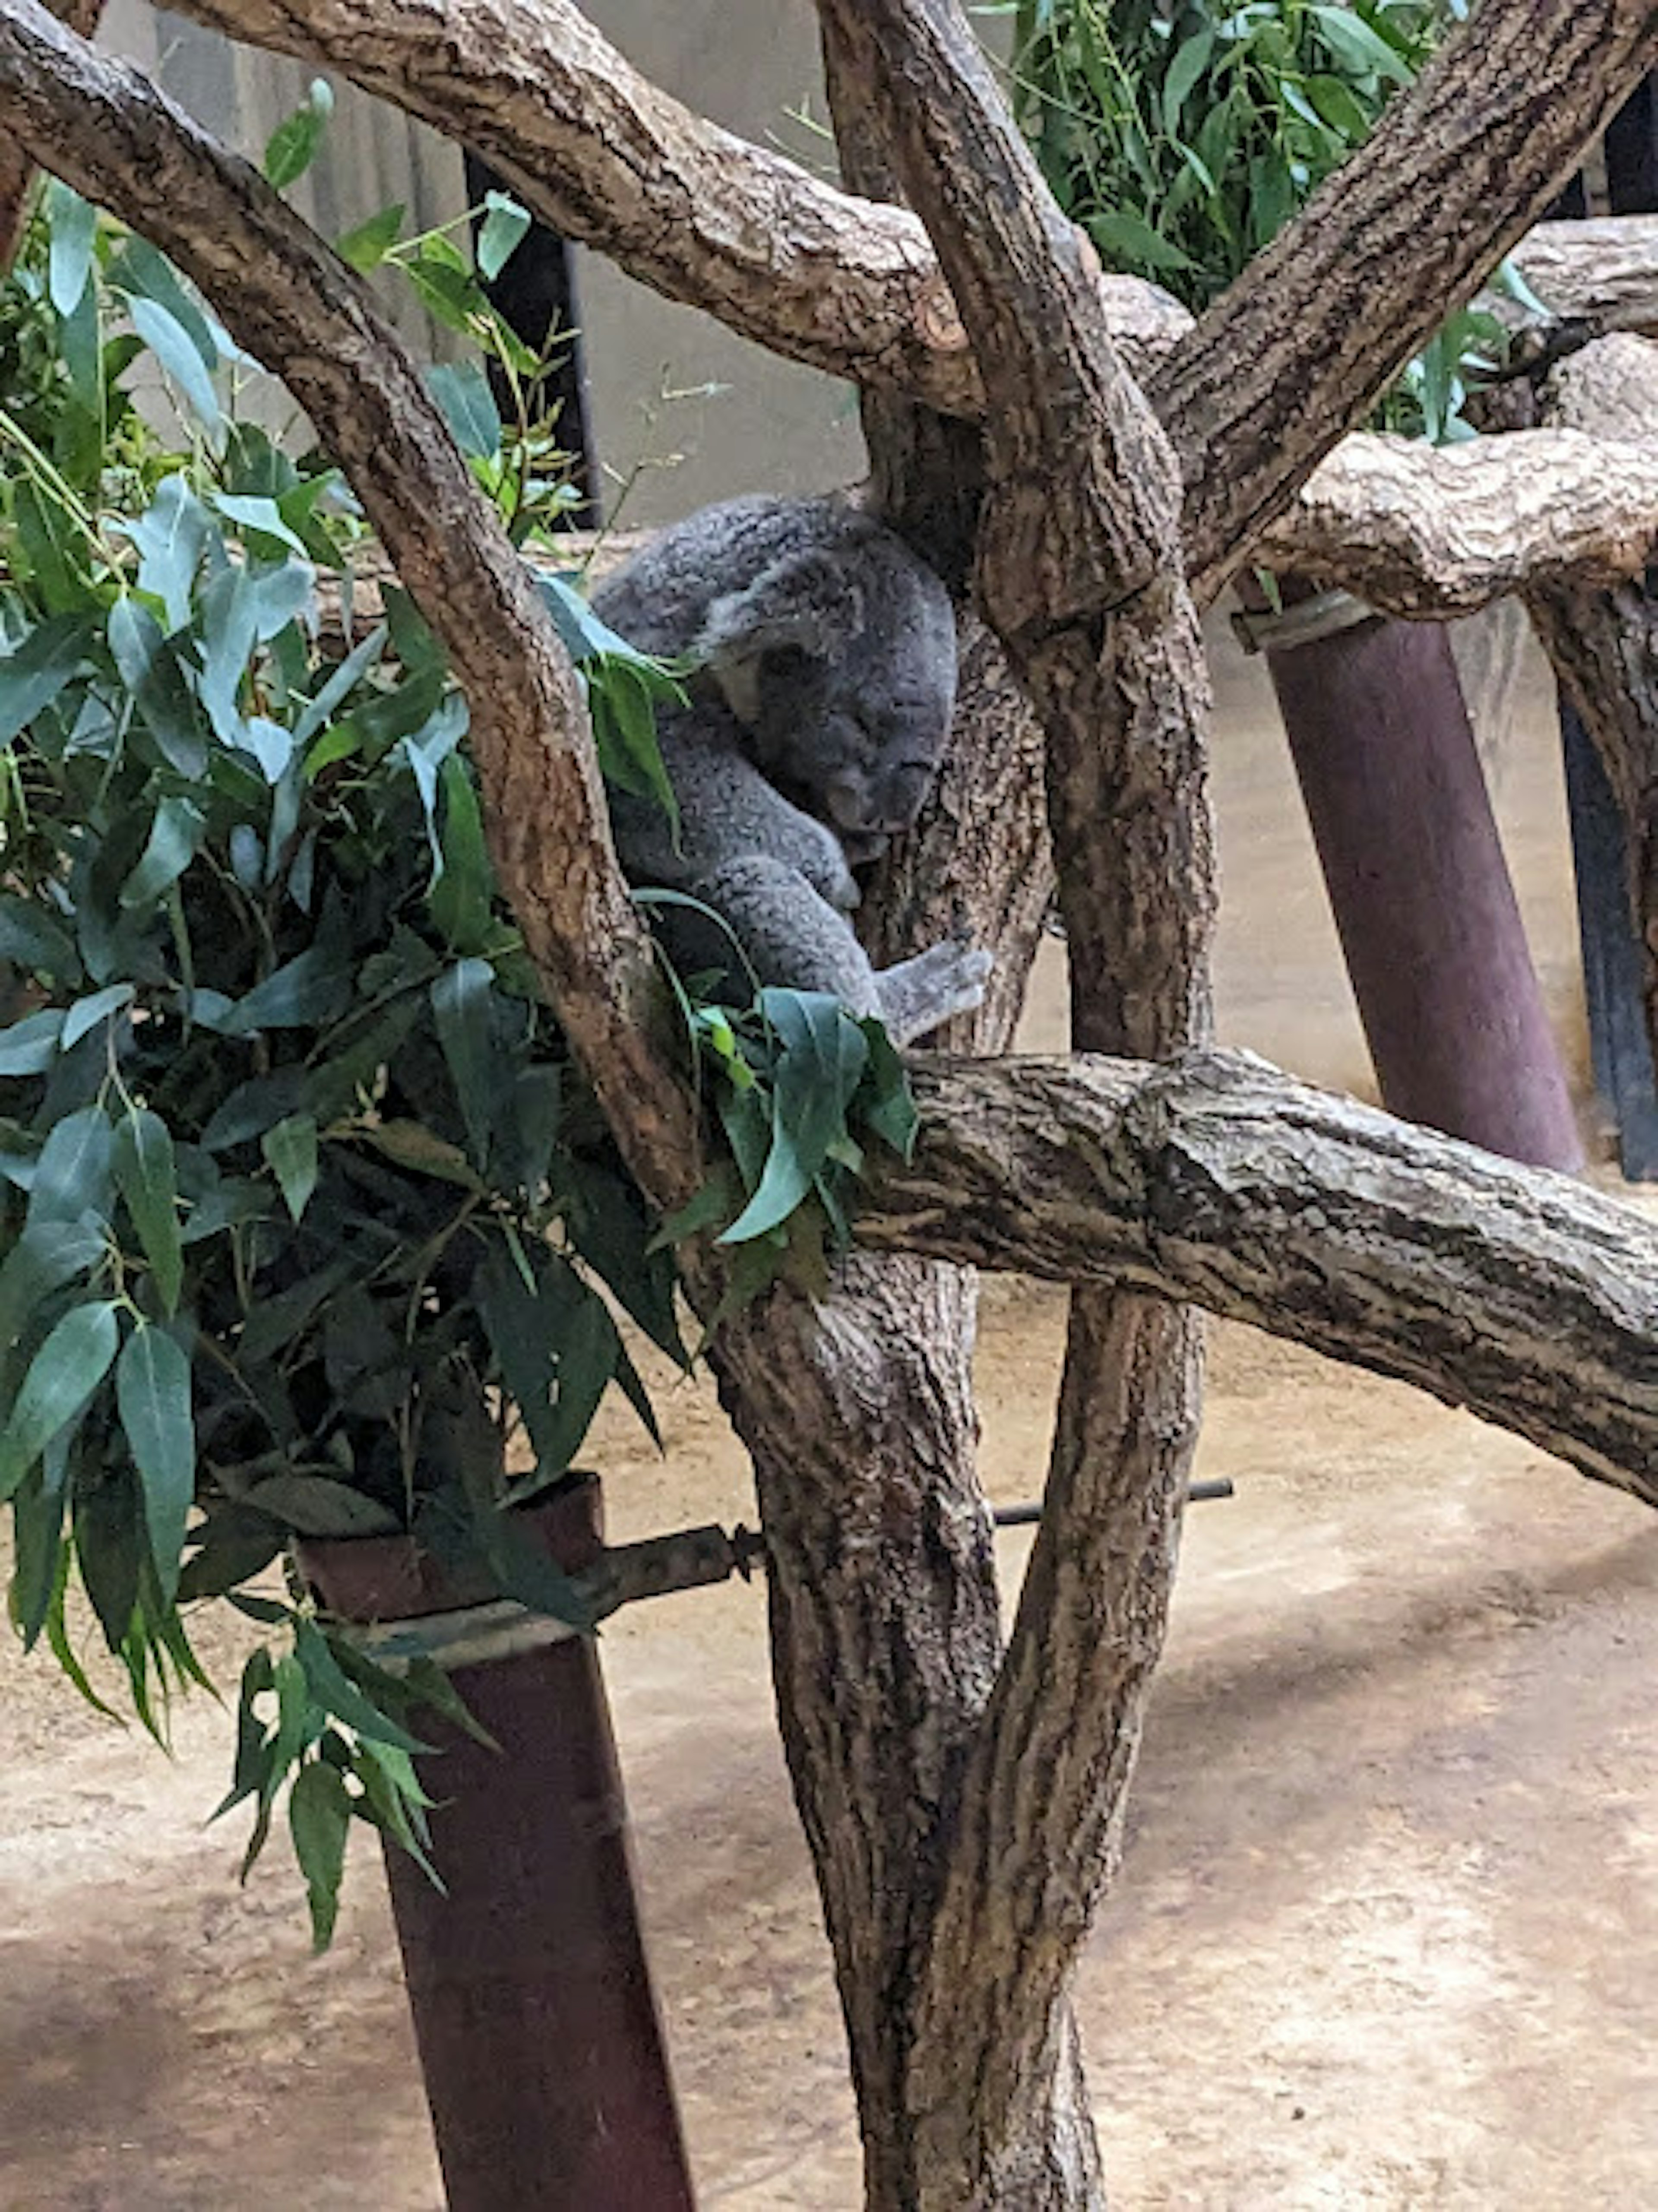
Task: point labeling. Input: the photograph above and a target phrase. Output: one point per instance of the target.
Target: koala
(814, 727)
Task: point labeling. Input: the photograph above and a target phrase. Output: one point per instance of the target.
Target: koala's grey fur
(811, 737)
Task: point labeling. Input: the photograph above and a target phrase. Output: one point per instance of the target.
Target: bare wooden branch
(1527, 1298)
(1080, 573)
(301, 312)
(16, 170)
(1604, 641)
(1320, 322)
(1430, 533)
(847, 285)
(852, 285)
(1602, 272)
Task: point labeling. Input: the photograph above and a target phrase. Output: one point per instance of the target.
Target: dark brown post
(539, 2036)
(1434, 947)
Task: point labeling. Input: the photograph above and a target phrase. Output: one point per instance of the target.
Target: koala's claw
(947, 979)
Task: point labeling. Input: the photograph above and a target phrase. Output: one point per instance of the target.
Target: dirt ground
(1384, 1935)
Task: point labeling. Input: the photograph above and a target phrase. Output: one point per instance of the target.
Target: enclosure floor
(1385, 1933)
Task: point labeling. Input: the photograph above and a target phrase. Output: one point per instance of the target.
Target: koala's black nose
(903, 795)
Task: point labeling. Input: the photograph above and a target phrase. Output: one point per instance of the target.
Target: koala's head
(839, 660)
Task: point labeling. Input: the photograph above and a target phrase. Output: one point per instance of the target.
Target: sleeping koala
(814, 729)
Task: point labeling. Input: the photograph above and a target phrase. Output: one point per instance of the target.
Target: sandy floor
(1383, 1938)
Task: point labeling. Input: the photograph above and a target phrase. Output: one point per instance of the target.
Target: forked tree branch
(1080, 572)
(297, 309)
(852, 286)
(1527, 1298)
(1320, 322)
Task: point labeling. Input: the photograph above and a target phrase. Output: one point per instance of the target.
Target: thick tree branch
(1293, 354)
(847, 285)
(851, 286)
(16, 170)
(1527, 1298)
(1079, 571)
(1430, 533)
(1601, 272)
(297, 309)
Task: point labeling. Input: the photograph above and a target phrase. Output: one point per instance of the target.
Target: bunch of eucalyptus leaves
(300, 1193)
(1183, 134)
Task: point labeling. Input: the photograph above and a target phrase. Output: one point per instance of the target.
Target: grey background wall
(682, 412)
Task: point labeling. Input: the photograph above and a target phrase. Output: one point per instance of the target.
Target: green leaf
(462, 391)
(341, 683)
(74, 224)
(171, 537)
(335, 1693)
(306, 992)
(72, 1175)
(319, 1818)
(461, 1002)
(84, 1016)
(889, 1106)
(175, 837)
(1188, 66)
(824, 1055)
(33, 673)
(1128, 242)
(45, 1258)
(63, 1378)
(29, 1047)
(367, 246)
(412, 1144)
(314, 1505)
(153, 1397)
(145, 1175)
(259, 516)
(504, 224)
(290, 1152)
(462, 899)
(588, 1351)
(293, 145)
(1357, 47)
(150, 671)
(31, 937)
(170, 343)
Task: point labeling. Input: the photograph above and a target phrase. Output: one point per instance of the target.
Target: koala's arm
(791, 935)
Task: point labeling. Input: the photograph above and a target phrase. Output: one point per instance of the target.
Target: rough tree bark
(16, 169)
(854, 287)
(1604, 641)
(965, 1876)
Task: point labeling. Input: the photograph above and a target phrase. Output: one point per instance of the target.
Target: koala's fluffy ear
(805, 601)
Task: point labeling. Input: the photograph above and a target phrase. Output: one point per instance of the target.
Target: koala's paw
(919, 994)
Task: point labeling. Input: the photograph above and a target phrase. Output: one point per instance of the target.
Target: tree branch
(847, 285)
(297, 309)
(1079, 570)
(16, 170)
(851, 286)
(1320, 322)
(1602, 272)
(1527, 1298)
(1429, 532)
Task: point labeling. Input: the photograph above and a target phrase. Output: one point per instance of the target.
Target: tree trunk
(1604, 642)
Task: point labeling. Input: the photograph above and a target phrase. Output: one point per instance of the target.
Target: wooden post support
(539, 2038)
(1430, 925)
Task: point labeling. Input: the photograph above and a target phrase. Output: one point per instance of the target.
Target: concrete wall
(770, 426)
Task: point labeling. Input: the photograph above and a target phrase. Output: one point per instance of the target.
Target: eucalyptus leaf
(153, 1397)
(62, 1377)
(145, 1171)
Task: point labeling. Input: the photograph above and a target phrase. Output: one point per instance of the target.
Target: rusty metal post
(1420, 889)
(540, 2040)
